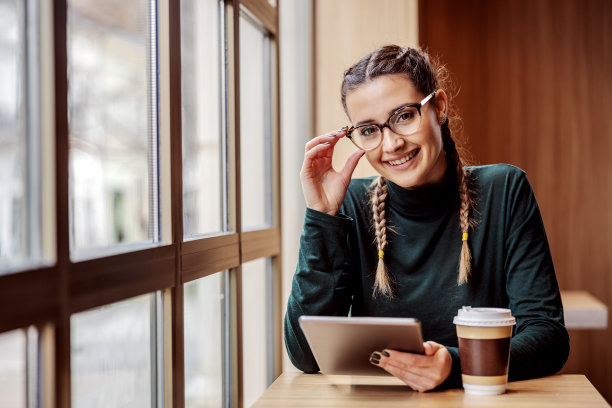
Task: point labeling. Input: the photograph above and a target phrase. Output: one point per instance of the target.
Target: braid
(464, 183)
(383, 281)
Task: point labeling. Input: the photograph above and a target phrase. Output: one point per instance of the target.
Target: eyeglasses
(404, 121)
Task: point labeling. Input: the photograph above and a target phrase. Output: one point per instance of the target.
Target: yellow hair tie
(465, 235)
(381, 254)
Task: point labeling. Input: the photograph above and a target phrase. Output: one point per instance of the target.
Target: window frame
(46, 296)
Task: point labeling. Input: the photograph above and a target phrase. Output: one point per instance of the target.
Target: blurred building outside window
(257, 330)
(13, 369)
(205, 341)
(255, 124)
(112, 105)
(203, 117)
(20, 209)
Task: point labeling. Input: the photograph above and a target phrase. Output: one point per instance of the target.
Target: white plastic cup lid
(484, 316)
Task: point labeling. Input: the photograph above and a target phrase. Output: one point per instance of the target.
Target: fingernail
(374, 361)
(344, 128)
(376, 355)
(332, 135)
(385, 353)
(326, 143)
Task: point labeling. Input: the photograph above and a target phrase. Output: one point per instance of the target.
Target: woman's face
(409, 161)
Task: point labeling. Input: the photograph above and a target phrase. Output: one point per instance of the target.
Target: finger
(431, 347)
(415, 381)
(385, 359)
(316, 152)
(407, 359)
(423, 377)
(351, 163)
(327, 137)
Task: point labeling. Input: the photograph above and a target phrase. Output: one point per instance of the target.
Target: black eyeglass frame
(418, 106)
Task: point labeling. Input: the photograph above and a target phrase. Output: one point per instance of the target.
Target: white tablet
(343, 345)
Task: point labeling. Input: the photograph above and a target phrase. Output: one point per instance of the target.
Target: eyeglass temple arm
(427, 98)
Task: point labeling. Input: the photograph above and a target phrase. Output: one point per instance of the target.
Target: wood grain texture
(177, 364)
(535, 92)
(264, 12)
(345, 31)
(318, 390)
(106, 280)
(61, 341)
(210, 255)
(260, 243)
(28, 298)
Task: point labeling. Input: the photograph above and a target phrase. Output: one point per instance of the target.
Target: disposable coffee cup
(484, 348)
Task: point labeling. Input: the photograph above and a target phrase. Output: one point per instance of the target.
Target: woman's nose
(391, 141)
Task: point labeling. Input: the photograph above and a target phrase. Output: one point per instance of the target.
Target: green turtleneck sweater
(511, 267)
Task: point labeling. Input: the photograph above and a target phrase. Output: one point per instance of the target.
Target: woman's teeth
(404, 159)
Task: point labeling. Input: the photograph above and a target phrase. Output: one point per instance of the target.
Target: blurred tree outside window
(112, 121)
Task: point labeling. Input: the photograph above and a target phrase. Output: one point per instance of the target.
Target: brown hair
(427, 76)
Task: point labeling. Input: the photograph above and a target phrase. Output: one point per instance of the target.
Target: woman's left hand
(420, 372)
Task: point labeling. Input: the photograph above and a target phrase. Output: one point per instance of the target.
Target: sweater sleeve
(321, 284)
(540, 345)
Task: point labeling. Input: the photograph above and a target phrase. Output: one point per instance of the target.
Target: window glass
(257, 336)
(112, 120)
(13, 369)
(255, 124)
(204, 341)
(202, 96)
(20, 241)
(111, 355)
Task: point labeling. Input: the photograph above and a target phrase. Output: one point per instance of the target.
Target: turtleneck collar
(426, 200)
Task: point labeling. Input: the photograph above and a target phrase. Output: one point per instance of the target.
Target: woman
(425, 237)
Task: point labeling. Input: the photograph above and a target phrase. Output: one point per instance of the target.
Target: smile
(404, 159)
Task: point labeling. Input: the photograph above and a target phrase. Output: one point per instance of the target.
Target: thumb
(431, 347)
(351, 163)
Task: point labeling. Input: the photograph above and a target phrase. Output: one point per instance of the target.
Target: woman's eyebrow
(391, 112)
(364, 122)
(394, 110)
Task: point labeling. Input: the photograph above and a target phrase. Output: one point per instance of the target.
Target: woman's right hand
(324, 188)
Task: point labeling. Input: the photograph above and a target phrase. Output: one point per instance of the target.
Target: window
(259, 146)
(113, 355)
(20, 216)
(19, 367)
(113, 123)
(204, 148)
(257, 312)
(13, 368)
(118, 118)
(205, 336)
(255, 124)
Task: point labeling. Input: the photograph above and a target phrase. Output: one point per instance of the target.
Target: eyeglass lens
(403, 122)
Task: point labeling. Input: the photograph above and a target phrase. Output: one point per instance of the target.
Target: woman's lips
(404, 161)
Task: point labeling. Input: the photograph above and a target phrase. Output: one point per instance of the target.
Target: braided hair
(427, 76)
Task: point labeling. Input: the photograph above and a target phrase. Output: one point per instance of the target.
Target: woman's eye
(368, 131)
(405, 116)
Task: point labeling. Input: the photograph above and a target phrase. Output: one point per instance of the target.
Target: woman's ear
(441, 103)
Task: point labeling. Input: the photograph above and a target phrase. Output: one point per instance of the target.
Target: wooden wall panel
(535, 92)
(345, 31)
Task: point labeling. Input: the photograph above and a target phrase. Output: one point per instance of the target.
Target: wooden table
(319, 390)
(583, 310)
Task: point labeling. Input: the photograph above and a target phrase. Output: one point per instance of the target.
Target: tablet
(343, 345)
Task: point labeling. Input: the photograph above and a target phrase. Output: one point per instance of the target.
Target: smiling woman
(433, 230)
